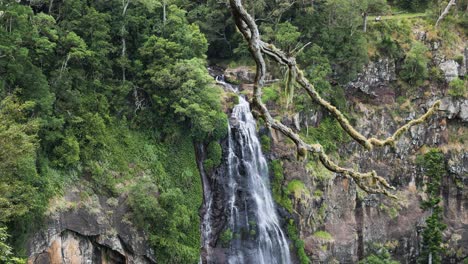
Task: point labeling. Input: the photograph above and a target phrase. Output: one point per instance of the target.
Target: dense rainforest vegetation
(113, 94)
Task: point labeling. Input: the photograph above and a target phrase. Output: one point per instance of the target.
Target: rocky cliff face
(86, 228)
(356, 221)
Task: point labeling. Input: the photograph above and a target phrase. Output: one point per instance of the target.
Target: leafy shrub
(414, 69)
(265, 141)
(381, 256)
(214, 154)
(459, 59)
(458, 88)
(280, 194)
(167, 219)
(226, 237)
(6, 255)
(322, 135)
(270, 94)
(68, 152)
(293, 234)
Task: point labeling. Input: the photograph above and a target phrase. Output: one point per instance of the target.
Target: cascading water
(251, 207)
(251, 229)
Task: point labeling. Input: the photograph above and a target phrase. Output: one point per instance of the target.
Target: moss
(322, 212)
(318, 193)
(297, 188)
(324, 235)
(214, 154)
(459, 59)
(393, 212)
(280, 194)
(266, 143)
(436, 74)
(293, 234)
(458, 88)
(226, 237)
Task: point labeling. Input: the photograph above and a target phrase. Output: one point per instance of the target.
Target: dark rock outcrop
(83, 228)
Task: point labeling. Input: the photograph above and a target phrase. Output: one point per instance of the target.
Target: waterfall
(251, 208)
(250, 231)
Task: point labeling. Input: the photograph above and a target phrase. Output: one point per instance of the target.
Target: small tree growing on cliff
(368, 181)
(434, 166)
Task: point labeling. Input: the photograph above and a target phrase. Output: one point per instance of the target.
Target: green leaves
(287, 36)
(414, 69)
(18, 175)
(6, 254)
(433, 163)
(75, 47)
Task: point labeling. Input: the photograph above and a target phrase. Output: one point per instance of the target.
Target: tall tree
(433, 164)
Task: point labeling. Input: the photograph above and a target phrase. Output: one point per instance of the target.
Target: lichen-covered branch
(369, 181)
(368, 143)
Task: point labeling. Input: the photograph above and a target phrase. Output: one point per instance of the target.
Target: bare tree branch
(445, 13)
(369, 181)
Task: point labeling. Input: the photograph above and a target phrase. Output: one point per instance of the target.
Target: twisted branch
(369, 181)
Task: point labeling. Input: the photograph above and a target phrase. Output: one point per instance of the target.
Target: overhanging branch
(369, 181)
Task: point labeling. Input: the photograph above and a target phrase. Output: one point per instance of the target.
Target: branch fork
(367, 181)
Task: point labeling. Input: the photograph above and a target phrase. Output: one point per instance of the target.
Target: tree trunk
(125, 4)
(364, 18)
(164, 12)
(51, 3)
(446, 11)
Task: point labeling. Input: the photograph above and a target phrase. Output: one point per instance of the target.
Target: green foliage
(321, 134)
(188, 92)
(293, 234)
(213, 155)
(19, 179)
(324, 235)
(265, 141)
(170, 236)
(414, 69)
(226, 237)
(458, 88)
(6, 255)
(380, 256)
(78, 105)
(297, 188)
(286, 36)
(390, 38)
(270, 94)
(68, 152)
(433, 163)
(279, 192)
(169, 215)
(336, 26)
(412, 5)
